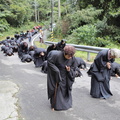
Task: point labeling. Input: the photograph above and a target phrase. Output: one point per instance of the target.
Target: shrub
(3, 25)
(84, 35)
(100, 42)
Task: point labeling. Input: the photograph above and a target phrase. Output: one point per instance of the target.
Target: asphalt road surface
(32, 95)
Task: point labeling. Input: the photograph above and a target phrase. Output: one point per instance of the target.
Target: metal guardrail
(88, 49)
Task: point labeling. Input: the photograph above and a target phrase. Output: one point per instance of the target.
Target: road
(32, 101)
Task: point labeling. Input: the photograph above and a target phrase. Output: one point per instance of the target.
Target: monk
(101, 72)
(60, 77)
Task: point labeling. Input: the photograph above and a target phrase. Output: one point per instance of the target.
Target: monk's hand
(67, 68)
(116, 75)
(42, 54)
(108, 65)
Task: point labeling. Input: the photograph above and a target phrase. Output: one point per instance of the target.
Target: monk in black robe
(44, 67)
(22, 49)
(60, 77)
(101, 72)
(50, 47)
(81, 63)
(115, 69)
(60, 45)
(32, 51)
(39, 56)
(89, 72)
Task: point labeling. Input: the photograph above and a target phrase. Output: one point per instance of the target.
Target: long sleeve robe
(115, 69)
(59, 80)
(100, 78)
(22, 50)
(38, 59)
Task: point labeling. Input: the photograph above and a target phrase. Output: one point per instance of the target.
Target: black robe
(60, 46)
(22, 50)
(26, 58)
(100, 76)
(89, 72)
(59, 81)
(9, 52)
(44, 67)
(115, 69)
(31, 53)
(81, 63)
(38, 60)
(50, 48)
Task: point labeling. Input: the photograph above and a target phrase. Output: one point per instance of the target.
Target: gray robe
(100, 76)
(59, 81)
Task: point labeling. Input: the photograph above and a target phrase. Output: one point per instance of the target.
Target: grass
(37, 43)
(84, 55)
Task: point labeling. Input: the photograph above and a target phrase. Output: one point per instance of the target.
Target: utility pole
(52, 15)
(59, 12)
(35, 11)
(38, 16)
(52, 4)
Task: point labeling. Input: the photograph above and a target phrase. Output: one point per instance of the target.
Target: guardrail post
(88, 56)
(52, 36)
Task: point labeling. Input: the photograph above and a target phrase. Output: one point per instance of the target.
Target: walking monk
(60, 77)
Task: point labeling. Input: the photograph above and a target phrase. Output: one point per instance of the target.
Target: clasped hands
(108, 65)
(67, 68)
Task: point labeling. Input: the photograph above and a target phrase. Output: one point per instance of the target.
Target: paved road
(32, 99)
